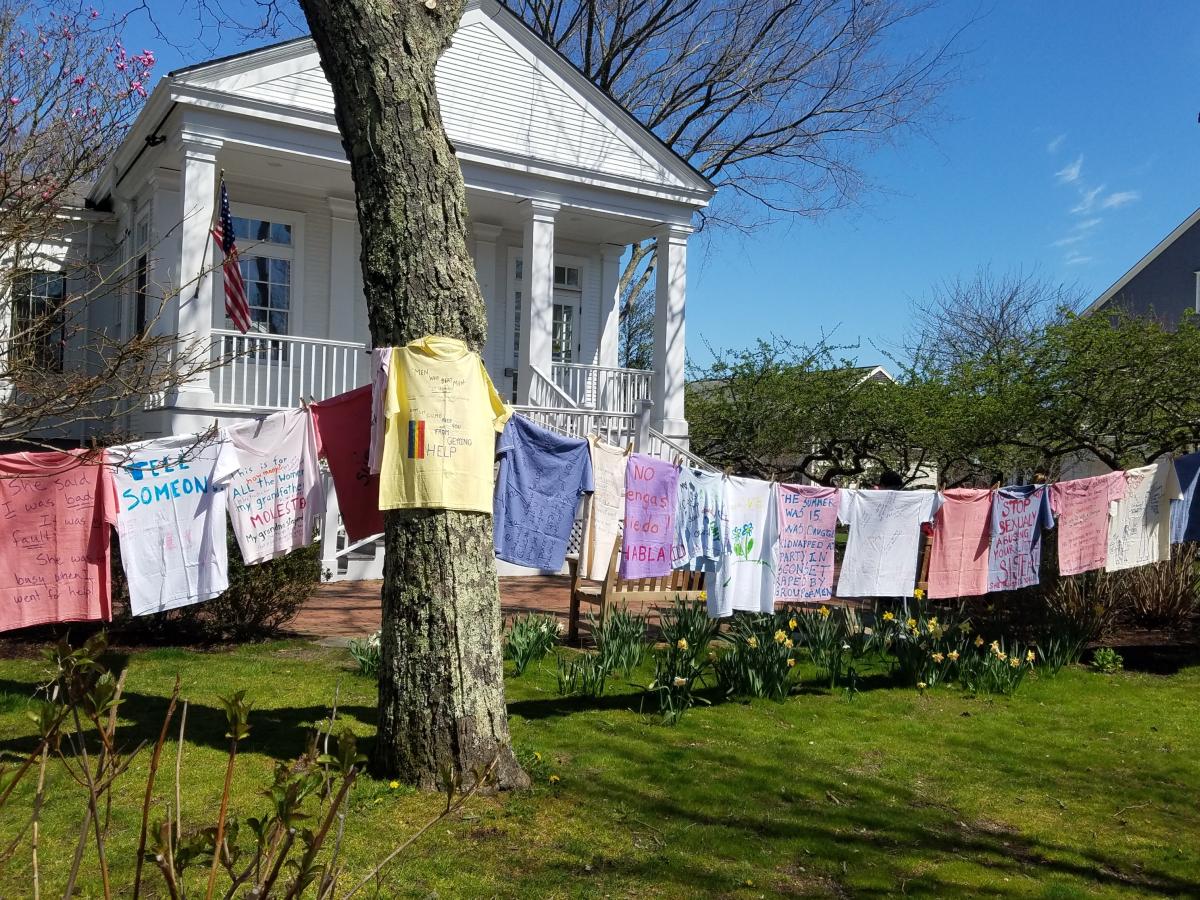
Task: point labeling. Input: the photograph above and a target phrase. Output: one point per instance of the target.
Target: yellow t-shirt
(442, 414)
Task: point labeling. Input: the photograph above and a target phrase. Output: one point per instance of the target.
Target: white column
(670, 293)
(342, 262)
(610, 304)
(198, 258)
(485, 236)
(537, 294)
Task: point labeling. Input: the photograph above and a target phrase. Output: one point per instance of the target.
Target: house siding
(1166, 288)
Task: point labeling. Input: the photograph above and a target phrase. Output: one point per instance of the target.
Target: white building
(560, 180)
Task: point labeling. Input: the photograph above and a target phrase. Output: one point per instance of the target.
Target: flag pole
(209, 238)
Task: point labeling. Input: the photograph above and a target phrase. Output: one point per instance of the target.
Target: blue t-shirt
(1018, 516)
(541, 477)
(1185, 513)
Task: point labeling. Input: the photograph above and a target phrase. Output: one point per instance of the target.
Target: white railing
(545, 394)
(259, 371)
(664, 448)
(619, 429)
(605, 388)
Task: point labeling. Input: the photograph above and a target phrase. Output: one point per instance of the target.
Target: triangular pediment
(501, 90)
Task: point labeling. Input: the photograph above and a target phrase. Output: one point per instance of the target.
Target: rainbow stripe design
(416, 438)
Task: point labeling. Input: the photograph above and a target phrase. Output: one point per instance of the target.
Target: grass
(1083, 785)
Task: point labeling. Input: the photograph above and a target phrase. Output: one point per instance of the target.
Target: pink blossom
(93, 14)
(13, 101)
(121, 67)
(78, 80)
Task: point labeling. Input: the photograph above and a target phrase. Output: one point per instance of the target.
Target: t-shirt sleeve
(227, 462)
(106, 484)
(930, 511)
(501, 412)
(587, 484)
(314, 413)
(1055, 494)
(845, 512)
(1116, 486)
(1172, 489)
(507, 441)
(391, 391)
(1045, 513)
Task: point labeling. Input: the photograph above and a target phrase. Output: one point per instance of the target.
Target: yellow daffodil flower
(1030, 657)
(919, 593)
(789, 644)
(937, 657)
(682, 643)
(780, 636)
(953, 654)
(791, 662)
(824, 612)
(792, 624)
(752, 641)
(393, 785)
(889, 616)
(978, 641)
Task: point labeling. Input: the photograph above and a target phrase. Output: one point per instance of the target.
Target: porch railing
(605, 388)
(259, 371)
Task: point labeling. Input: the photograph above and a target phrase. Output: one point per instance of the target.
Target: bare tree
(70, 91)
(986, 315)
(636, 337)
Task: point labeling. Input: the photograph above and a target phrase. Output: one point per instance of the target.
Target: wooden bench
(614, 589)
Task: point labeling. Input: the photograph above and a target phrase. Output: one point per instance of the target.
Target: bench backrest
(680, 582)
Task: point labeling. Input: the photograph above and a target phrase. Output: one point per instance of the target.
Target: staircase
(552, 408)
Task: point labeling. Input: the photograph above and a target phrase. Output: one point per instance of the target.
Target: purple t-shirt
(541, 477)
(1018, 516)
(651, 492)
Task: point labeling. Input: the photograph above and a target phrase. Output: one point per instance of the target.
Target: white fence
(604, 388)
(260, 371)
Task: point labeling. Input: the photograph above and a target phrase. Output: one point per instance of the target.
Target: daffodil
(792, 624)
(921, 685)
(1030, 657)
(824, 612)
(704, 595)
(889, 616)
(751, 641)
(682, 643)
(912, 623)
(679, 681)
(965, 627)
(789, 643)
(393, 785)
(1015, 663)
(937, 657)
(554, 779)
(791, 662)
(933, 622)
(953, 654)
(780, 636)
(1001, 656)
(978, 641)
(919, 593)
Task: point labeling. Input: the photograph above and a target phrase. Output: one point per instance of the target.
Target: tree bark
(441, 688)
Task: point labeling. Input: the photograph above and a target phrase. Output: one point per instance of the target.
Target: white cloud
(1087, 200)
(1088, 224)
(1117, 199)
(1069, 240)
(1070, 173)
(1053, 146)
(1076, 259)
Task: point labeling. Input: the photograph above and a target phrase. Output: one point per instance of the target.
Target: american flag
(235, 286)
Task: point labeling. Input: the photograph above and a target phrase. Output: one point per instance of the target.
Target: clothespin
(728, 471)
(629, 448)
(303, 402)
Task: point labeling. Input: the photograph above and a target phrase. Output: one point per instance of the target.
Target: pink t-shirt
(807, 531)
(56, 515)
(958, 563)
(343, 426)
(1082, 508)
(651, 493)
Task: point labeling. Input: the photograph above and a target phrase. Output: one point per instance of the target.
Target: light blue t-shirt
(1018, 516)
(697, 519)
(541, 477)
(1185, 513)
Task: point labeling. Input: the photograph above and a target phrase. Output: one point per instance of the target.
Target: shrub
(621, 640)
(678, 668)
(995, 670)
(1107, 661)
(1162, 595)
(367, 654)
(926, 648)
(688, 620)
(530, 638)
(581, 675)
(760, 658)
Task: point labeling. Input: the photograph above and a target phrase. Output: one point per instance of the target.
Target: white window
(567, 277)
(266, 253)
(563, 335)
(37, 335)
(141, 273)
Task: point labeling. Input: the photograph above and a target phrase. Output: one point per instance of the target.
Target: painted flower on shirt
(743, 540)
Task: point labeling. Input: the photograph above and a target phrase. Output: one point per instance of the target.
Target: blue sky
(1071, 145)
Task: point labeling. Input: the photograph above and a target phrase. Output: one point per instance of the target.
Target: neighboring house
(1165, 283)
(560, 180)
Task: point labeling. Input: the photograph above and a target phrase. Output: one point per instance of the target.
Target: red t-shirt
(55, 518)
(343, 425)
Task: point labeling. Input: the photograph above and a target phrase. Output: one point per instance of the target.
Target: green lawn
(1082, 786)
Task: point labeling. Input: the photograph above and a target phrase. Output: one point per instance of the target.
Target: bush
(1107, 661)
(1162, 595)
(368, 655)
(926, 648)
(760, 658)
(260, 601)
(995, 670)
(621, 639)
(530, 637)
(686, 660)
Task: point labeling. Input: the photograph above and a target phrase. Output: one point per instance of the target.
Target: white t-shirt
(381, 365)
(1139, 529)
(885, 533)
(171, 519)
(606, 509)
(277, 495)
(746, 570)
(697, 519)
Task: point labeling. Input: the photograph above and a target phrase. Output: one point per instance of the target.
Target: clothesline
(422, 435)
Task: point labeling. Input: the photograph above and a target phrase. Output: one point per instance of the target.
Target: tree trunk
(441, 688)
